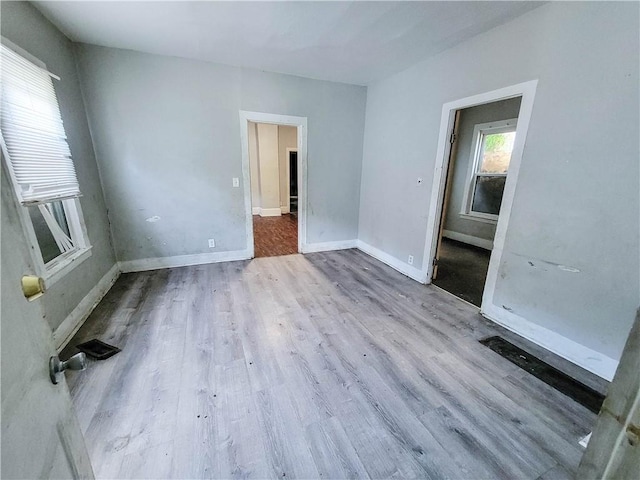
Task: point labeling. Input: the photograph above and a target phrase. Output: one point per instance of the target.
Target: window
(488, 168)
(38, 161)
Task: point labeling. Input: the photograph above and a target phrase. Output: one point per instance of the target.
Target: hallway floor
(274, 236)
(462, 270)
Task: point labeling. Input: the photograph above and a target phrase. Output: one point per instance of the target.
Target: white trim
(582, 356)
(579, 354)
(404, 268)
(70, 325)
(477, 218)
(470, 239)
(157, 263)
(270, 212)
(330, 246)
(301, 124)
(65, 262)
(525, 90)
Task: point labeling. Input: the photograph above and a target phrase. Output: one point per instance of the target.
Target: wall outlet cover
(236, 182)
(212, 243)
(410, 260)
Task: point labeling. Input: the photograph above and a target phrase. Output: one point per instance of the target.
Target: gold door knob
(32, 287)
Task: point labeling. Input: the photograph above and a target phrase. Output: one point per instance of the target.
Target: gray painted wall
(167, 136)
(577, 199)
(469, 118)
(27, 28)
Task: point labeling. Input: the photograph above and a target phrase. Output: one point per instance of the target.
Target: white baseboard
(70, 325)
(145, 264)
(284, 209)
(329, 246)
(582, 356)
(270, 212)
(404, 268)
(255, 210)
(469, 239)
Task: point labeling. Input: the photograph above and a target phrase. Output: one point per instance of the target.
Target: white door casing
(301, 124)
(525, 90)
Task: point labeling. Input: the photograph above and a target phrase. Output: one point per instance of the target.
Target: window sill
(478, 218)
(62, 265)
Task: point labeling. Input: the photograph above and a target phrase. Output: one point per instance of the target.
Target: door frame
(527, 91)
(288, 154)
(275, 119)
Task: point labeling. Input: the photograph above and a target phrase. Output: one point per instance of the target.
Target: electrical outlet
(212, 243)
(236, 182)
(410, 261)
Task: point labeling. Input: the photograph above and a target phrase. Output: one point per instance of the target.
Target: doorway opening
(479, 153)
(273, 161)
(275, 151)
(482, 146)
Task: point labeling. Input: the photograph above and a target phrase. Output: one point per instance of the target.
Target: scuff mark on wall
(564, 268)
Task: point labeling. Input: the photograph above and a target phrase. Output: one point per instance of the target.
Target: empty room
(313, 240)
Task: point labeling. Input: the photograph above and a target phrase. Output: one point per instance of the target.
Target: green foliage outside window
(494, 142)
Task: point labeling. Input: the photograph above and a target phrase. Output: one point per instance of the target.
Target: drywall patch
(153, 219)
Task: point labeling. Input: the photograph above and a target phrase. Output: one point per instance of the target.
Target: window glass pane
(488, 194)
(496, 152)
(46, 241)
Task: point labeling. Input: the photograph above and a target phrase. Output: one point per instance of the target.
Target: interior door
(447, 189)
(614, 449)
(41, 437)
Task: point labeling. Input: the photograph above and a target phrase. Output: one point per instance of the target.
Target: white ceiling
(352, 42)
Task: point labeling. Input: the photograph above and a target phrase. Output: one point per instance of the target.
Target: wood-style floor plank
(328, 365)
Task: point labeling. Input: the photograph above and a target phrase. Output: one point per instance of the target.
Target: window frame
(60, 266)
(479, 132)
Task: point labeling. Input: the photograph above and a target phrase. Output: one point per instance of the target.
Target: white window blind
(39, 158)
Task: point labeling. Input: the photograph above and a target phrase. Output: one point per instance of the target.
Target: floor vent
(562, 382)
(98, 349)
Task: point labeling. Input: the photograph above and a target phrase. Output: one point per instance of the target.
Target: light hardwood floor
(329, 365)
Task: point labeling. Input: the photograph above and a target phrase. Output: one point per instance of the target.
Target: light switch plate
(236, 182)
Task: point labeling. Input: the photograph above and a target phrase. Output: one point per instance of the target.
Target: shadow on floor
(462, 270)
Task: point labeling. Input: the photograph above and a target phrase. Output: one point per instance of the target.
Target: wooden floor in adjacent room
(275, 236)
(328, 365)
